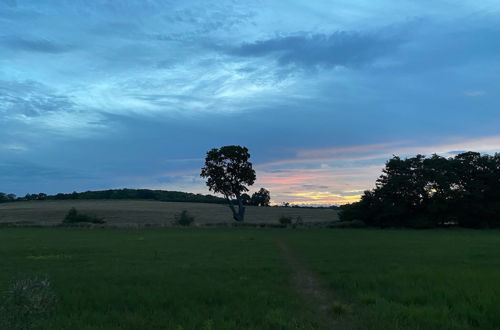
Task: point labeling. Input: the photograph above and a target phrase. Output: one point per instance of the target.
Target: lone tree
(228, 172)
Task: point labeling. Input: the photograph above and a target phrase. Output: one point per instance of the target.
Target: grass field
(141, 213)
(238, 278)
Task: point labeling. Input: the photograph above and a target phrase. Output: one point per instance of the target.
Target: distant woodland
(158, 195)
(259, 198)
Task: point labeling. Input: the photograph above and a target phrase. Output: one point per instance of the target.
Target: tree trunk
(240, 214)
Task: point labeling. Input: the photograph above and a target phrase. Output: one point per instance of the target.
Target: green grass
(163, 279)
(409, 279)
(238, 278)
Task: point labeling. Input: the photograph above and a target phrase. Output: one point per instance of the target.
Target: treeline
(147, 194)
(423, 192)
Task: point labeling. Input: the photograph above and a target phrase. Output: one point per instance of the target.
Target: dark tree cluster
(7, 197)
(34, 197)
(28, 197)
(258, 198)
(431, 192)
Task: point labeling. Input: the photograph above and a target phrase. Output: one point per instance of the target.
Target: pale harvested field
(142, 213)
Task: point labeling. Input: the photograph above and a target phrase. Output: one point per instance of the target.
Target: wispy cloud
(342, 48)
(31, 99)
(40, 45)
(475, 93)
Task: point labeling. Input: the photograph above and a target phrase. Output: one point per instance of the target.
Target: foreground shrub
(73, 216)
(26, 302)
(285, 220)
(184, 219)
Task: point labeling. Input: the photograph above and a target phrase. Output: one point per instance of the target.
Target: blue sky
(112, 94)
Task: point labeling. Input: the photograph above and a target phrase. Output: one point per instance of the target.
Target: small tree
(261, 197)
(184, 219)
(228, 172)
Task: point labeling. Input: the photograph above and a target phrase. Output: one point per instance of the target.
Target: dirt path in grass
(309, 287)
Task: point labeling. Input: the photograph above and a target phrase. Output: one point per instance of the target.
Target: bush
(184, 219)
(26, 302)
(73, 216)
(285, 220)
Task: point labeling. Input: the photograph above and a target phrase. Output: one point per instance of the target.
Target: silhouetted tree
(476, 183)
(228, 172)
(261, 197)
(435, 191)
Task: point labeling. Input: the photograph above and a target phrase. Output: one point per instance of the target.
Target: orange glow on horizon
(328, 176)
(309, 178)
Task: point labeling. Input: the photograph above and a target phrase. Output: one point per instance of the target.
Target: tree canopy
(428, 192)
(261, 198)
(229, 172)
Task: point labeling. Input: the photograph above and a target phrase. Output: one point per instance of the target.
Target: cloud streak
(342, 48)
(39, 45)
(31, 99)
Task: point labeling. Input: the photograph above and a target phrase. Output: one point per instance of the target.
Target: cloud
(200, 19)
(39, 45)
(14, 147)
(475, 93)
(342, 48)
(32, 108)
(30, 99)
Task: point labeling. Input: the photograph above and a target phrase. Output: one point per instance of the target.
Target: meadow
(240, 278)
(141, 213)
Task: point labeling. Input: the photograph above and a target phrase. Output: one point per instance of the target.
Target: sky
(113, 94)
